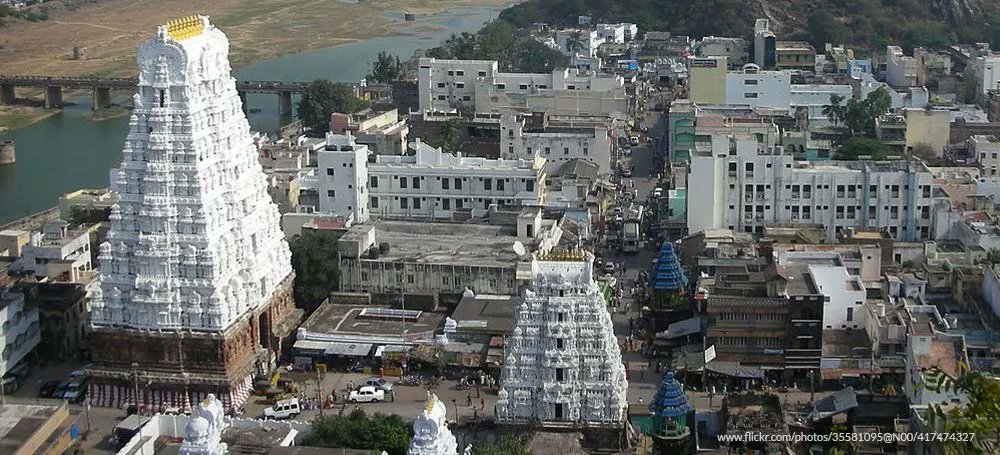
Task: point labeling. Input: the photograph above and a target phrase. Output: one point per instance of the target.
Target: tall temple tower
(563, 363)
(195, 276)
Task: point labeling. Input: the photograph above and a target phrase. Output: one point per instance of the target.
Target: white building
(558, 139)
(563, 363)
(194, 245)
(736, 50)
(341, 178)
(617, 33)
(927, 349)
(844, 294)
(986, 151)
(736, 186)
(987, 70)
(58, 253)
(431, 435)
(427, 184)
(900, 69)
(444, 85)
(20, 331)
(774, 90)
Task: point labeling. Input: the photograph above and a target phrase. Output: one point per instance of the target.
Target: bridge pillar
(102, 98)
(53, 97)
(243, 99)
(285, 103)
(7, 94)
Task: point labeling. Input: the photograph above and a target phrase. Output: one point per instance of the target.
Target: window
(446, 204)
(466, 98)
(750, 82)
(560, 343)
(850, 314)
(565, 150)
(451, 73)
(404, 203)
(441, 97)
(458, 183)
(547, 150)
(542, 86)
(458, 203)
(416, 203)
(402, 182)
(460, 73)
(501, 86)
(330, 193)
(373, 182)
(586, 151)
(482, 74)
(329, 171)
(416, 183)
(488, 184)
(440, 84)
(570, 87)
(499, 184)
(445, 184)
(374, 202)
(559, 374)
(529, 185)
(459, 85)
(560, 317)
(749, 95)
(523, 86)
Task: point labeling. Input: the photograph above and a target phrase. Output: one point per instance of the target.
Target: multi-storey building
(986, 151)
(765, 45)
(58, 252)
(741, 185)
(196, 276)
(428, 184)
(558, 139)
(900, 69)
(478, 85)
(987, 74)
(19, 330)
(563, 362)
(573, 42)
(736, 50)
(795, 55)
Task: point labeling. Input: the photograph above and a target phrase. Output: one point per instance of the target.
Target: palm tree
(574, 43)
(834, 111)
(450, 135)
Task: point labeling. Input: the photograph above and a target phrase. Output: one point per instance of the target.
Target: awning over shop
(735, 370)
(311, 345)
(348, 349)
(390, 349)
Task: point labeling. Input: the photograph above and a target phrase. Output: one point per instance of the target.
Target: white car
(657, 192)
(283, 409)
(609, 267)
(366, 394)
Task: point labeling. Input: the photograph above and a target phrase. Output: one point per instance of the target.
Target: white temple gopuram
(195, 277)
(563, 362)
(431, 435)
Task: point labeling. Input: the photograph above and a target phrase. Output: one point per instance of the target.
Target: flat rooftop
(447, 243)
(486, 313)
(18, 423)
(339, 319)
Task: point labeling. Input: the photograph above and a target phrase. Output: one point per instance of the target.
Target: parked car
(609, 267)
(627, 172)
(283, 409)
(127, 428)
(76, 391)
(366, 394)
(379, 383)
(61, 390)
(48, 389)
(657, 192)
(634, 140)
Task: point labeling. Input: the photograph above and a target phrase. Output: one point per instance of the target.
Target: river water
(66, 152)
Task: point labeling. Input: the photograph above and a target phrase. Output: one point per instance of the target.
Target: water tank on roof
(383, 247)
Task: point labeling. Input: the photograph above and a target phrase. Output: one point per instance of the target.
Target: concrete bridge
(102, 87)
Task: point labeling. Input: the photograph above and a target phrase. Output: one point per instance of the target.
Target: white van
(283, 409)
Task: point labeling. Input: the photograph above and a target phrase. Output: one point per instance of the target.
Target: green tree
(835, 110)
(993, 257)
(387, 68)
(857, 118)
(980, 416)
(574, 43)
(926, 34)
(506, 445)
(358, 431)
(316, 264)
(856, 147)
(824, 28)
(323, 98)
(451, 134)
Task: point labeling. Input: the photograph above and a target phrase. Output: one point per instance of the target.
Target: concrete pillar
(7, 152)
(7, 94)
(243, 99)
(102, 98)
(285, 103)
(53, 97)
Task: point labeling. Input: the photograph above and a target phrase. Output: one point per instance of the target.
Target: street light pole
(135, 384)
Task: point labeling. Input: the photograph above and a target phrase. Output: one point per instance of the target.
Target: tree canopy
(317, 273)
(323, 98)
(500, 41)
(387, 68)
(857, 117)
(506, 445)
(359, 431)
(980, 416)
(856, 147)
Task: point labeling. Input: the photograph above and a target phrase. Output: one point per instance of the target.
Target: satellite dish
(519, 248)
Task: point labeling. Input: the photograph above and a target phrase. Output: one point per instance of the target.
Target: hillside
(862, 23)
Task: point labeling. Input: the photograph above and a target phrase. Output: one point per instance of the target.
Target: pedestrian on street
(659, 365)
(468, 399)
(482, 403)
(392, 393)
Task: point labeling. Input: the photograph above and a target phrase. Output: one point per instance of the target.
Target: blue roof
(670, 400)
(668, 274)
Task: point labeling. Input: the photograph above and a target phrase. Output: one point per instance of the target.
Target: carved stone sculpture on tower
(563, 361)
(203, 433)
(431, 435)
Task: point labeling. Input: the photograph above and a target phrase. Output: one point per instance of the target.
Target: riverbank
(258, 29)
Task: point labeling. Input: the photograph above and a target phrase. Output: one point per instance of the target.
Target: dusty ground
(112, 30)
